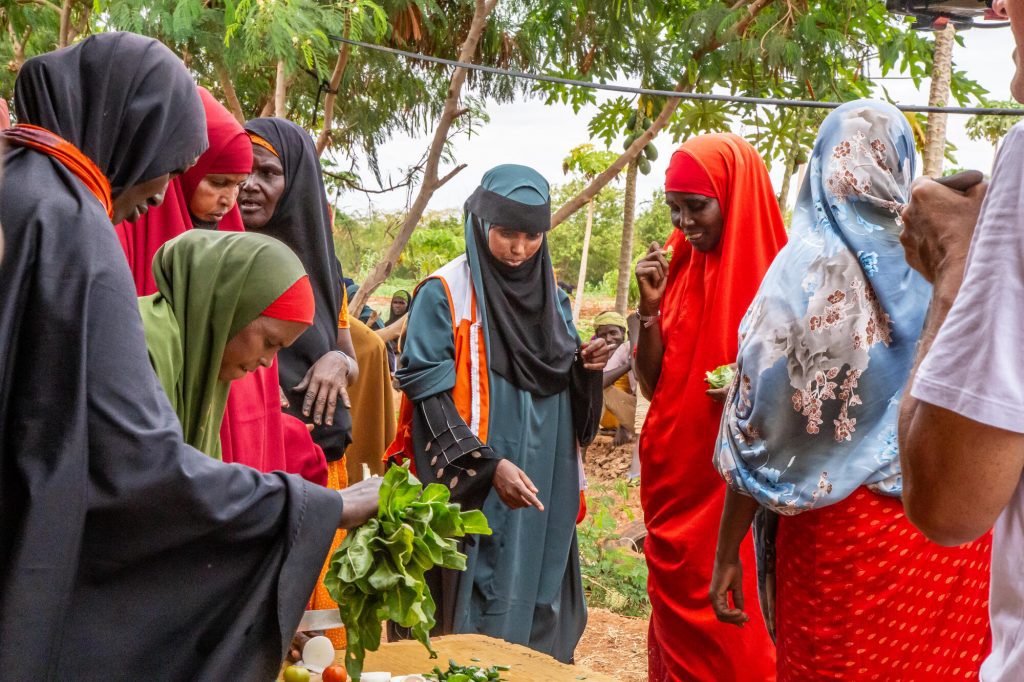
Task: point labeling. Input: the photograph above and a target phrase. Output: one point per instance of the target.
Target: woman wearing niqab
(121, 548)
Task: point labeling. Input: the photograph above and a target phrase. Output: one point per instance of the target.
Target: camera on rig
(932, 15)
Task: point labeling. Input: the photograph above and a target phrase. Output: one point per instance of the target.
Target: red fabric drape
(255, 431)
(681, 493)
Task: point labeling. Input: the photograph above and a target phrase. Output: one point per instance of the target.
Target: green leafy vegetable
(721, 377)
(468, 673)
(377, 572)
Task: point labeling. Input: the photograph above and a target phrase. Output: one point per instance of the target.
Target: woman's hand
(595, 354)
(719, 395)
(362, 500)
(514, 487)
(324, 383)
(726, 580)
(652, 278)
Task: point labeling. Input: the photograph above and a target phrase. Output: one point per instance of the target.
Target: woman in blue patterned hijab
(829, 340)
(810, 424)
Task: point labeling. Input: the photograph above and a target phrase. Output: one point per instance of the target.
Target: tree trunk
(791, 157)
(281, 91)
(431, 181)
(234, 106)
(324, 139)
(942, 68)
(626, 248)
(19, 45)
(581, 283)
(686, 83)
(64, 38)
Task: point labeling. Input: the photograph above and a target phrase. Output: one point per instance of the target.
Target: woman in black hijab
(285, 198)
(119, 543)
(499, 394)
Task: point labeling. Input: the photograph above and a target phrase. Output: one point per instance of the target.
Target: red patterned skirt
(863, 595)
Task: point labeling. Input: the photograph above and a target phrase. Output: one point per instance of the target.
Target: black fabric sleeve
(447, 452)
(586, 395)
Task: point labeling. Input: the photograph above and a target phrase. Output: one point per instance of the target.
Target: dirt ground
(614, 645)
(605, 463)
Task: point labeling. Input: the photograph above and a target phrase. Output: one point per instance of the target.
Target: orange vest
(471, 393)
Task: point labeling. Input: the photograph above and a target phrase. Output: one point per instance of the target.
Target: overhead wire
(651, 92)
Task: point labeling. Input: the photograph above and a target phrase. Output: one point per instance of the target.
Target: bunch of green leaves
(720, 377)
(614, 577)
(378, 571)
(467, 673)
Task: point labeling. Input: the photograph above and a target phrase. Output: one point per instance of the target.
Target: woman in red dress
(693, 293)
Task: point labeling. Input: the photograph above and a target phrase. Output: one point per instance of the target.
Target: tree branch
(431, 182)
(234, 106)
(47, 4)
(685, 84)
(324, 140)
(455, 171)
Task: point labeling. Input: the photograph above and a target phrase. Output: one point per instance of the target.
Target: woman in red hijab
(254, 432)
(693, 294)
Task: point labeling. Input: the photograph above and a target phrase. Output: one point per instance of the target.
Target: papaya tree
(763, 48)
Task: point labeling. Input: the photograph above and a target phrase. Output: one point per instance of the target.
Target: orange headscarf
(681, 492)
(41, 139)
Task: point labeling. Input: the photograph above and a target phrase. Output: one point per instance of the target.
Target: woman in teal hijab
(226, 303)
(499, 394)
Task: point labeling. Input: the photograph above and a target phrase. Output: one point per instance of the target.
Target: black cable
(738, 99)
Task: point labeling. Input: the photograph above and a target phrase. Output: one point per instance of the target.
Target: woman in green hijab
(226, 303)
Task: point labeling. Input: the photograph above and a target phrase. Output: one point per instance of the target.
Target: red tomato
(335, 673)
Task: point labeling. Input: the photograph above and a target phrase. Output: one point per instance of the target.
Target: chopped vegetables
(721, 377)
(378, 571)
(468, 673)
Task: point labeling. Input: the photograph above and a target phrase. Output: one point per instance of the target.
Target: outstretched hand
(514, 487)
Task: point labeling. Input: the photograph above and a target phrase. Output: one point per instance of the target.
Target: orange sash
(41, 139)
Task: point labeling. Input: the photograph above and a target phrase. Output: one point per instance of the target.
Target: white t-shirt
(976, 369)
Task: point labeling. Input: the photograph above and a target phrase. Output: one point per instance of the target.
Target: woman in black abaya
(284, 197)
(121, 548)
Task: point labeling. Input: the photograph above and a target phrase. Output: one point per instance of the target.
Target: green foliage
(565, 241)
(360, 241)
(438, 240)
(613, 577)
(378, 571)
(992, 129)
(587, 161)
